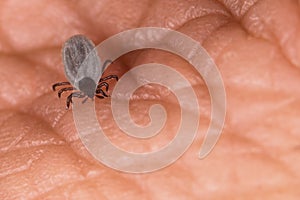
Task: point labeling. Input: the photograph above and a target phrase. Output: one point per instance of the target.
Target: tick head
(87, 86)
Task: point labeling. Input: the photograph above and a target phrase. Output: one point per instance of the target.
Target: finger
(268, 20)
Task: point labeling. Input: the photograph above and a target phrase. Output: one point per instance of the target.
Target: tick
(74, 52)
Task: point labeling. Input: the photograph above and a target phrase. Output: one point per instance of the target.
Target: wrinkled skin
(256, 46)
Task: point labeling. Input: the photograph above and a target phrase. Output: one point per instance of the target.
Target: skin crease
(256, 46)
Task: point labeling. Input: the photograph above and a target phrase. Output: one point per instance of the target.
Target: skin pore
(254, 43)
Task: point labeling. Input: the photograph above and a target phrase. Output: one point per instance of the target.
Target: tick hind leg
(100, 91)
(99, 96)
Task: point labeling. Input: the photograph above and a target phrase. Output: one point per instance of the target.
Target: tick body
(74, 52)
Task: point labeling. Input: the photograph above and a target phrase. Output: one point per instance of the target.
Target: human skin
(254, 43)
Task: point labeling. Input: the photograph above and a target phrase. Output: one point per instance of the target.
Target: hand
(256, 47)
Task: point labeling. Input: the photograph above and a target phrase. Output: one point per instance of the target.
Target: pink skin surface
(256, 46)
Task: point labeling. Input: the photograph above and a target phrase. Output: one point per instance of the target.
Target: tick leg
(100, 97)
(74, 94)
(109, 77)
(64, 89)
(105, 63)
(84, 100)
(100, 91)
(59, 84)
(103, 84)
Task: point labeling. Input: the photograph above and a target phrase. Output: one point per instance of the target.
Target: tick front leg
(59, 84)
(74, 94)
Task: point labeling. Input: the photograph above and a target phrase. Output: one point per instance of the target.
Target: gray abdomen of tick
(81, 60)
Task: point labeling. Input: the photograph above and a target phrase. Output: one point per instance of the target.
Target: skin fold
(254, 43)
